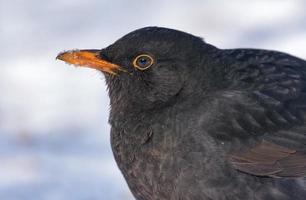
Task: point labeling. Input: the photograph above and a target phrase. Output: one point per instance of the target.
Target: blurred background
(54, 135)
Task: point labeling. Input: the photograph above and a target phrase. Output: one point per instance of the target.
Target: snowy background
(54, 136)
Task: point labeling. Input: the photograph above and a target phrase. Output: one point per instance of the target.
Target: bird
(191, 121)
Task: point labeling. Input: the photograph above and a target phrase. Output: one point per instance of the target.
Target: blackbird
(190, 121)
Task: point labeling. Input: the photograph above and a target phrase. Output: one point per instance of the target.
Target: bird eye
(143, 61)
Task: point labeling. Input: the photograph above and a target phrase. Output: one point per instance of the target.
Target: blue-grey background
(54, 136)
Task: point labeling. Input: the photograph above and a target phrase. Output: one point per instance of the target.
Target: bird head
(149, 66)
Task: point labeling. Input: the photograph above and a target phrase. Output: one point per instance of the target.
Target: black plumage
(190, 121)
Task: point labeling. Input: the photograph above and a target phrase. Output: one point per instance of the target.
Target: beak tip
(59, 56)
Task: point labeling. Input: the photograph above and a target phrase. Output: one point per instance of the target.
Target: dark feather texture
(268, 159)
(205, 123)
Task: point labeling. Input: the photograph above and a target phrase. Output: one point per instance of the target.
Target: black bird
(190, 121)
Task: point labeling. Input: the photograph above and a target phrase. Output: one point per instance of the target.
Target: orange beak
(89, 58)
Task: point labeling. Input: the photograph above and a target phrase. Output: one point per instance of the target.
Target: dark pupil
(143, 62)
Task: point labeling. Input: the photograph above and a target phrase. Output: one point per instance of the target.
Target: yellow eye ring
(143, 62)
